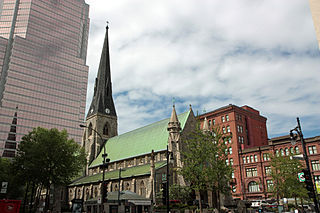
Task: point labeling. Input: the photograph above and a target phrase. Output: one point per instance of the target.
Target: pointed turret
(102, 101)
(174, 124)
(205, 127)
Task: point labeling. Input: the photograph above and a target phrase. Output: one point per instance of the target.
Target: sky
(209, 54)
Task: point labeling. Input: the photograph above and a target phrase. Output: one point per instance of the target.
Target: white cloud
(209, 54)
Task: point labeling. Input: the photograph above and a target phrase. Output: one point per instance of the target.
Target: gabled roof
(140, 141)
(112, 175)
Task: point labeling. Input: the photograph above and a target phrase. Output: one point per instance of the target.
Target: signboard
(301, 177)
(164, 177)
(318, 187)
(4, 187)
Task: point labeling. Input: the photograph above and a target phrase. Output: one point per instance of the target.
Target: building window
(128, 186)
(281, 152)
(251, 172)
(251, 159)
(228, 129)
(234, 188)
(312, 150)
(106, 129)
(269, 185)
(317, 179)
(224, 130)
(253, 187)
(244, 159)
(227, 117)
(142, 189)
(267, 170)
(287, 151)
(209, 122)
(229, 140)
(297, 150)
(231, 161)
(266, 156)
(255, 158)
(277, 153)
(213, 122)
(232, 174)
(242, 141)
(291, 150)
(230, 150)
(315, 165)
(227, 161)
(90, 129)
(222, 119)
(248, 159)
(241, 129)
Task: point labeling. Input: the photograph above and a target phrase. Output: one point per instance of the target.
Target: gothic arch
(253, 187)
(142, 189)
(106, 129)
(90, 130)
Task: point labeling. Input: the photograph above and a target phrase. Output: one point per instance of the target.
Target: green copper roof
(128, 172)
(140, 141)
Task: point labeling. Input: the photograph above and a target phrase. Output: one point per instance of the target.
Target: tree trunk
(218, 200)
(32, 197)
(198, 194)
(47, 198)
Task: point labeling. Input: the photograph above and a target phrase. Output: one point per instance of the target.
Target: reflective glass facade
(43, 72)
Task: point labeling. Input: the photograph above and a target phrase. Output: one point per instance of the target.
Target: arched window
(286, 151)
(90, 130)
(128, 186)
(87, 194)
(253, 187)
(142, 190)
(95, 192)
(297, 150)
(116, 187)
(79, 194)
(281, 152)
(106, 129)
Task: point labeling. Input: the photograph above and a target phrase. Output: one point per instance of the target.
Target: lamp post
(169, 154)
(293, 138)
(119, 202)
(104, 164)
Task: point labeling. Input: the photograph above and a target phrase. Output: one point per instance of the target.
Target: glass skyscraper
(43, 72)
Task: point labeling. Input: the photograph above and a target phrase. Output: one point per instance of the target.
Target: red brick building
(250, 149)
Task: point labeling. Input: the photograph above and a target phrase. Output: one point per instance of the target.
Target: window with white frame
(255, 158)
(228, 129)
(251, 172)
(287, 151)
(238, 128)
(222, 119)
(282, 152)
(227, 117)
(244, 159)
(213, 122)
(230, 150)
(241, 129)
(227, 161)
(253, 187)
(231, 161)
(312, 150)
(248, 159)
(232, 174)
(266, 156)
(234, 189)
(251, 158)
(291, 150)
(267, 170)
(209, 122)
(224, 130)
(277, 152)
(269, 185)
(229, 140)
(297, 150)
(315, 165)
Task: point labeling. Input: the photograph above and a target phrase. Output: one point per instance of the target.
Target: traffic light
(164, 192)
(308, 182)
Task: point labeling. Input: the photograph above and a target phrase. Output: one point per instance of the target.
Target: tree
(204, 162)
(284, 171)
(47, 157)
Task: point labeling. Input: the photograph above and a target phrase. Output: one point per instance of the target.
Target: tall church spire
(102, 101)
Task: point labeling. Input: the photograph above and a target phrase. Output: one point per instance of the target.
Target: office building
(43, 72)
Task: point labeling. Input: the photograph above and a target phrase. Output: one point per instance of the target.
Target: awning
(140, 202)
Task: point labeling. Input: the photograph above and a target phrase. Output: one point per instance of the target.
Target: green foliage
(204, 161)
(284, 173)
(15, 183)
(48, 157)
(181, 193)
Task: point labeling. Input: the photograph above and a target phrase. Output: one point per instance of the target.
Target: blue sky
(209, 54)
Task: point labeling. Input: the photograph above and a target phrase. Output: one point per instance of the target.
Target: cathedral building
(138, 159)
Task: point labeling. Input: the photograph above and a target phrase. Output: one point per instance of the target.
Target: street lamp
(293, 138)
(119, 202)
(104, 164)
(169, 155)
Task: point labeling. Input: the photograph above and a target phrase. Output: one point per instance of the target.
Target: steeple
(174, 122)
(205, 127)
(102, 101)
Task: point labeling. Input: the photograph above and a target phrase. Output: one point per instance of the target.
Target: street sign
(301, 177)
(164, 177)
(4, 187)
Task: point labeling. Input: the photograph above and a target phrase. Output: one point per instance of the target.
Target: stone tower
(174, 146)
(101, 120)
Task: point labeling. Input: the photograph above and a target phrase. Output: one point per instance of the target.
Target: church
(137, 160)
